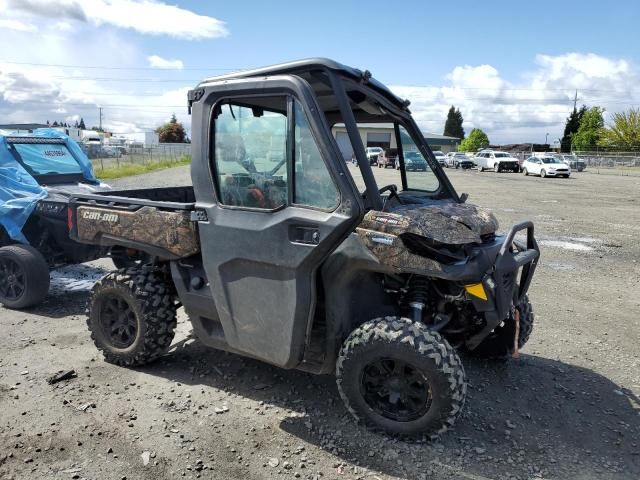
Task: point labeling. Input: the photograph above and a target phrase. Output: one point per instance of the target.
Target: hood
(444, 222)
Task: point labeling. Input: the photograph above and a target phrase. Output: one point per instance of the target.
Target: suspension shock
(417, 296)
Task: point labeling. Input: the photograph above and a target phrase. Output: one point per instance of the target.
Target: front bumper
(507, 281)
(557, 173)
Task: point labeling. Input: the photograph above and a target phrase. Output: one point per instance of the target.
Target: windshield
(46, 159)
(501, 155)
(419, 177)
(550, 160)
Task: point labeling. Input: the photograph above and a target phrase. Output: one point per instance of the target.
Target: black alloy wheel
(395, 389)
(12, 279)
(118, 321)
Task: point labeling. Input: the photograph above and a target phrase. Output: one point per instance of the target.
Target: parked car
(413, 161)
(372, 154)
(122, 150)
(387, 158)
(110, 152)
(575, 163)
(440, 157)
(547, 166)
(458, 160)
(496, 161)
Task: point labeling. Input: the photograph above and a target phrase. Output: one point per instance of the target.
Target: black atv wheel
(24, 276)
(398, 377)
(499, 344)
(132, 315)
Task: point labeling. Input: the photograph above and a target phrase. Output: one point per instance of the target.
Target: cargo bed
(157, 221)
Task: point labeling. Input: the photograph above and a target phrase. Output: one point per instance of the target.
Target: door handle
(309, 235)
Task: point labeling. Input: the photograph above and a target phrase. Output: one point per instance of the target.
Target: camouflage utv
(283, 252)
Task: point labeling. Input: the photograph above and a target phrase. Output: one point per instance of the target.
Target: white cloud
(156, 61)
(525, 111)
(144, 16)
(17, 25)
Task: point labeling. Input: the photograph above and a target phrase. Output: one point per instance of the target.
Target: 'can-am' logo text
(101, 217)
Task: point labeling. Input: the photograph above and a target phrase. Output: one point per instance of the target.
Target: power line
(96, 67)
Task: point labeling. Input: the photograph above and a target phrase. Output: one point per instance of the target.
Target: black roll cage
(400, 115)
(339, 77)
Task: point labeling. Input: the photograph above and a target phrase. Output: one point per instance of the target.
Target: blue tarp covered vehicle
(38, 174)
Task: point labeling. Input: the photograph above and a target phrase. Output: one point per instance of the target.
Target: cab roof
(305, 68)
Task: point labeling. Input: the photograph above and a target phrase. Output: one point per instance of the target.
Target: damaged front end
(449, 268)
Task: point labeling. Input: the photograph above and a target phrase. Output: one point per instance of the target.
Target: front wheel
(24, 276)
(543, 174)
(132, 315)
(399, 377)
(481, 169)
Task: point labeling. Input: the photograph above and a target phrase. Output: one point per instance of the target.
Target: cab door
(282, 201)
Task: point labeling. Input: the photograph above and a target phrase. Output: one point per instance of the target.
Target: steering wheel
(393, 192)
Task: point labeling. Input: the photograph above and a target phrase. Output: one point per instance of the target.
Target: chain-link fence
(614, 163)
(108, 157)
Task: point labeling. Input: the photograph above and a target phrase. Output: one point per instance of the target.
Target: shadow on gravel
(69, 291)
(531, 416)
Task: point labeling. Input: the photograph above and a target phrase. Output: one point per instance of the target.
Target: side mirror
(463, 197)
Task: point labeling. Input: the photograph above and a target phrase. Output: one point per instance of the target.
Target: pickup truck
(276, 252)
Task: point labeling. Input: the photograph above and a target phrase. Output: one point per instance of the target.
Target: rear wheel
(481, 169)
(24, 276)
(397, 376)
(132, 315)
(525, 171)
(496, 168)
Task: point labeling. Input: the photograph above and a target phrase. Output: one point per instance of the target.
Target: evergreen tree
(453, 125)
(571, 128)
(55, 123)
(81, 125)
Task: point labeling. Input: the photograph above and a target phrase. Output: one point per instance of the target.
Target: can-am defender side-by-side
(277, 254)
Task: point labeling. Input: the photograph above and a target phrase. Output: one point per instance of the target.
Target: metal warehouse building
(381, 135)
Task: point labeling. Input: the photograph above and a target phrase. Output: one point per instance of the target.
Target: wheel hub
(12, 281)
(395, 389)
(118, 321)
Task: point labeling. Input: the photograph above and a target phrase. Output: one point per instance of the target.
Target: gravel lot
(568, 409)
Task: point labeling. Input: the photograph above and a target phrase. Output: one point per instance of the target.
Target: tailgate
(167, 233)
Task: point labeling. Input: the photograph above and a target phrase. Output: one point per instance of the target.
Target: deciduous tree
(476, 140)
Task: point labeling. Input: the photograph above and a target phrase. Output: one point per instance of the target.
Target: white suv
(496, 161)
(372, 154)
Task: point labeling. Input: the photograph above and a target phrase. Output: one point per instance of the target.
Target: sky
(511, 68)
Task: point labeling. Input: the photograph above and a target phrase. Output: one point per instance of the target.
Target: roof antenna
(366, 76)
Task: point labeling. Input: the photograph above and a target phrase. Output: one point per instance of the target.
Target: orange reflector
(477, 290)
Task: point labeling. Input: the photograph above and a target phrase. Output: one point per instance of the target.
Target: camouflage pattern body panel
(448, 223)
(172, 231)
(391, 252)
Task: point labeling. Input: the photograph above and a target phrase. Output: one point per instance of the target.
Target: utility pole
(100, 117)
(575, 100)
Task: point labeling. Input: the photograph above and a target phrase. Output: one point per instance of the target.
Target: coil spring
(418, 290)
